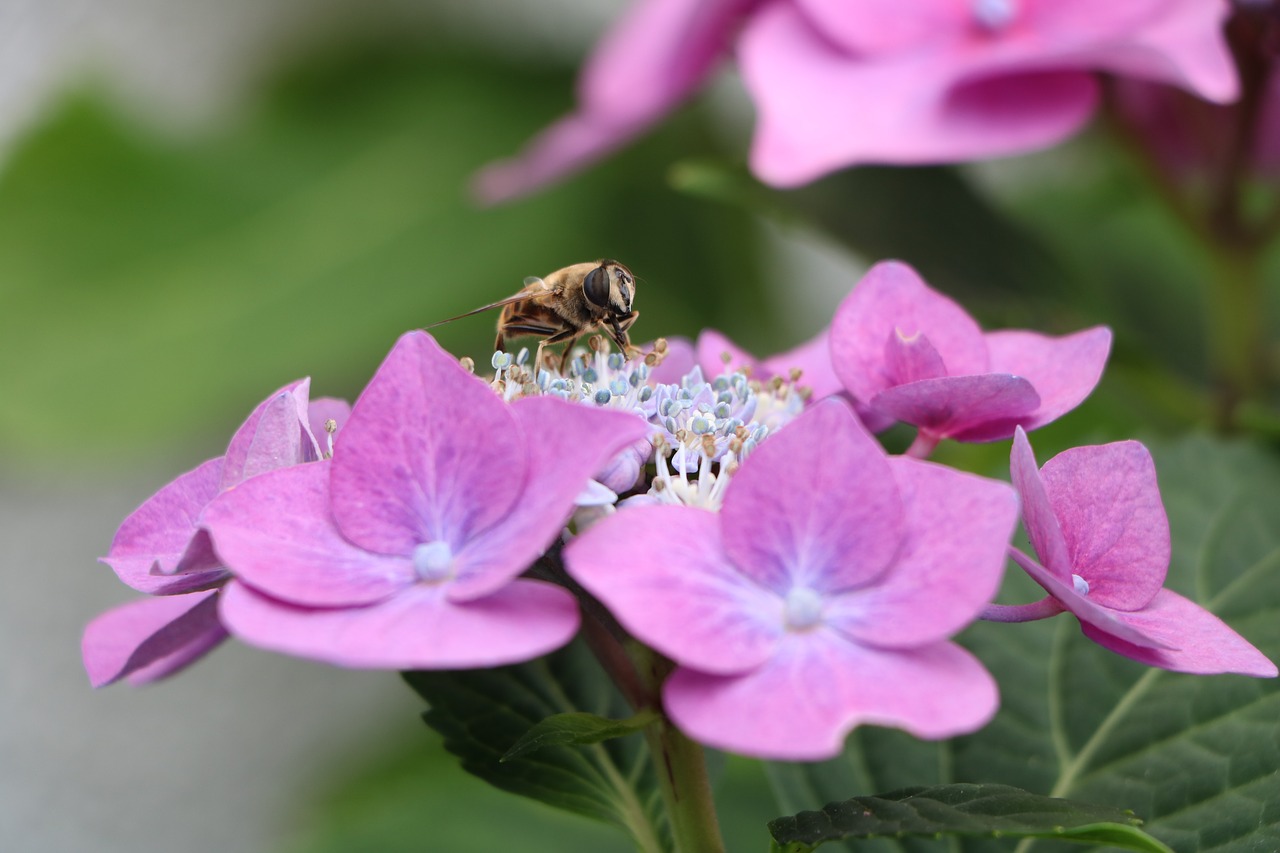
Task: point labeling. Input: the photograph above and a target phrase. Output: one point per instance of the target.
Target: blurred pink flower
(160, 548)
(1096, 521)
(838, 83)
(820, 597)
(909, 353)
(403, 551)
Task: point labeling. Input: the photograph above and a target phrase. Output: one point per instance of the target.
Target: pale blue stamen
(602, 397)
(433, 561)
(522, 356)
(618, 387)
(803, 609)
(1081, 585)
(500, 361)
(994, 14)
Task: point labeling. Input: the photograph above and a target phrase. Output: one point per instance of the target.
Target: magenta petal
(662, 572)
(320, 412)
(158, 534)
(429, 454)
(1107, 502)
(816, 505)
(1037, 513)
(569, 443)
(713, 347)
(1088, 612)
(571, 144)
(275, 533)
(954, 404)
(950, 564)
(1063, 371)
(1205, 645)
(679, 360)
(290, 398)
(911, 358)
(802, 703)
(655, 56)
(417, 629)
(882, 26)
(152, 638)
(813, 359)
(890, 299)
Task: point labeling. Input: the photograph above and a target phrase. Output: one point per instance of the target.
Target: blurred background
(202, 201)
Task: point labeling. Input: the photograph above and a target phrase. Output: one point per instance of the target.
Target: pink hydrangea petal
(652, 58)
(955, 405)
(569, 443)
(429, 454)
(816, 505)
(1205, 645)
(679, 360)
(662, 572)
(1108, 506)
(802, 703)
(418, 629)
(713, 346)
(882, 26)
(939, 105)
(1063, 371)
(564, 148)
(1183, 45)
(1037, 513)
(280, 439)
(950, 564)
(146, 640)
(158, 533)
(1090, 21)
(290, 398)
(813, 359)
(275, 532)
(322, 410)
(911, 358)
(1084, 609)
(892, 298)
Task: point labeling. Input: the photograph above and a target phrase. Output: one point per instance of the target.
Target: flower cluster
(840, 83)
(735, 515)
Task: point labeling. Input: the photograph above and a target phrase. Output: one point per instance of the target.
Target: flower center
(994, 15)
(803, 609)
(433, 561)
(1081, 585)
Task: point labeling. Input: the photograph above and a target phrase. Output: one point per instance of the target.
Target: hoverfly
(566, 305)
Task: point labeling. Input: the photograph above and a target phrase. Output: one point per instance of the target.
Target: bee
(567, 304)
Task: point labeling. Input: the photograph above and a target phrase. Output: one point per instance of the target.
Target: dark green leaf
(484, 714)
(576, 728)
(997, 811)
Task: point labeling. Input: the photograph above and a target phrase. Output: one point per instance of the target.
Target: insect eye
(596, 287)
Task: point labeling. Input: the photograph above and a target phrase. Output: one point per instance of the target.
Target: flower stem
(681, 769)
(922, 446)
(1042, 609)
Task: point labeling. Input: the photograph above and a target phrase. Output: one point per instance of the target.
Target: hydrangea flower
(911, 354)
(403, 551)
(837, 83)
(161, 550)
(821, 596)
(1097, 523)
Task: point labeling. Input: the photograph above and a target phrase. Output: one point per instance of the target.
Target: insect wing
(527, 293)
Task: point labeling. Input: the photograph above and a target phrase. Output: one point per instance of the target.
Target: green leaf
(153, 289)
(577, 728)
(1197, 758)
(998, 811)
(484, 715)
